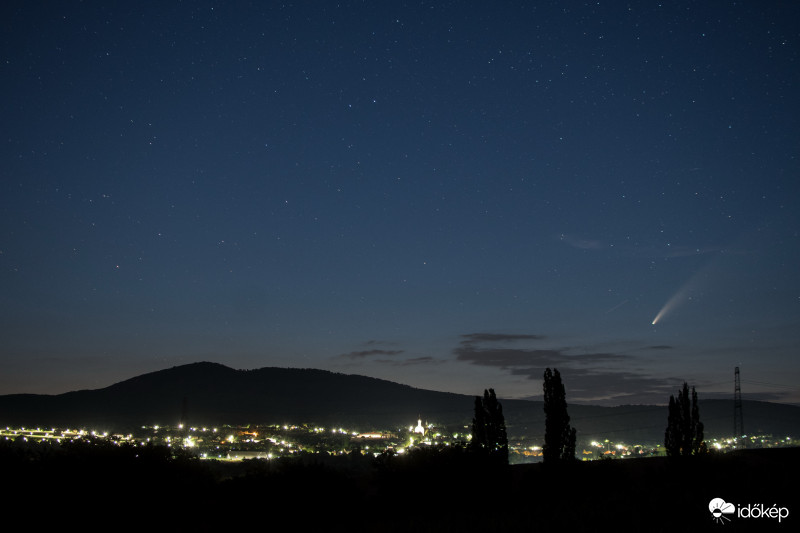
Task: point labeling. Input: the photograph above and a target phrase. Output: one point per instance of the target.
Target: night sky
(450, 195)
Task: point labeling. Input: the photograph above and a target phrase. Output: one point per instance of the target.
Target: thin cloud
(375, 342)
(369, 353)
(589, 377)
(498, 337)
(513, 357)
(581, 244)
(598, 385)
(670, 251)
(410, 362)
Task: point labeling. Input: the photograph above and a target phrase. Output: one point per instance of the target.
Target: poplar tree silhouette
(559, 437)
(684, 434)
(489, 437)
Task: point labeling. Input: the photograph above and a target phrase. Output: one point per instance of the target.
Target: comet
(670, 305)
(694, 285)
(678, 298)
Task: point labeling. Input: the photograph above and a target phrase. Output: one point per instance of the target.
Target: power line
(775, 385)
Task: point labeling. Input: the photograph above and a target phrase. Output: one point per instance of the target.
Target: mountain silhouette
(215, 394)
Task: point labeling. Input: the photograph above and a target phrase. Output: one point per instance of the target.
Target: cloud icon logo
(719, 508)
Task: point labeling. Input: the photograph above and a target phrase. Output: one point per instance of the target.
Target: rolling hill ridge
(215, 394)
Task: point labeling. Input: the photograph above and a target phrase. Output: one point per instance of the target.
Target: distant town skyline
(452, 196)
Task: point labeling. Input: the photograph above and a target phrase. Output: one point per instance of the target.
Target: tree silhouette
(559, 437)
(479, 440)
(489, 435)
(684, 434)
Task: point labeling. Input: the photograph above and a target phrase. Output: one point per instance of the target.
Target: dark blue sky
(449, 195)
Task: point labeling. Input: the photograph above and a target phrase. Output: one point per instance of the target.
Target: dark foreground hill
(215, 394)
(425, 490)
